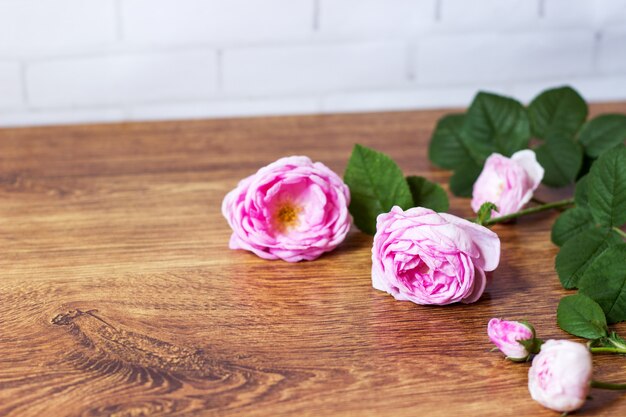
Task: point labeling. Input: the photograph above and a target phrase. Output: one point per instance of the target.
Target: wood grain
(119, 296)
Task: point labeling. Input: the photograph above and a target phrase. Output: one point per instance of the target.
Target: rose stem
(531, 210)
(607, 350)
(608, 385)
(541, 202)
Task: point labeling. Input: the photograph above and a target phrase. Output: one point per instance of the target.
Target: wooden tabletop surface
(119, 295)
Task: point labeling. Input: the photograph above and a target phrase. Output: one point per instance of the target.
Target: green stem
(607, 350)
(608, 385)
(620, 232)
(531, 210)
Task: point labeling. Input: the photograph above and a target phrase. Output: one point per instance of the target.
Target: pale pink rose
(292, 209)
(429, 258)
(506, 335)
(508, 183)
(560, 376)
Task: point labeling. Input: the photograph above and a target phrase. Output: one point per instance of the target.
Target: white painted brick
(60, 117)
(610, 13)
(612, 51)
(213, 21)
(458, 59)
(314, 68)
(35, 25)
(10, 85)
(122, 79)
(487, 15)
(379, 18)
(422, 98)
(568, 13)
(603, 88)
(225, 108)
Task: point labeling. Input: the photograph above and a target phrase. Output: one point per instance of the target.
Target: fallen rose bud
(513, 338)
(432, 258)
(560, 375)
(292, 209)
(508, 183)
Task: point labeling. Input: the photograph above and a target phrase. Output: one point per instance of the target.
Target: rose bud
(432, 258)
(560, 375)
(509, 183)
(292, 209)
(513, 338)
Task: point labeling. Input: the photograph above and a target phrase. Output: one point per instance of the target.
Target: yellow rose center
(287, 216)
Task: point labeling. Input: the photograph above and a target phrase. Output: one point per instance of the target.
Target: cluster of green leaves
(592, 257)
(565, 145)
(377, 184)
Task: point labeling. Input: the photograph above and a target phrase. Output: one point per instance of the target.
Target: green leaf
(558, 112)
(605, 282)
(376, 185)
(607, 188)
(561, 159)
(603, 133)
(448, 148)
(495, 123)
(581, 197)
(484, 212)
(462, 182)
(581, 316)
(428, 194)
(570, 223)
(576, 254)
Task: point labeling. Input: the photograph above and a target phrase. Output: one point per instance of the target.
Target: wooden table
(119, 295)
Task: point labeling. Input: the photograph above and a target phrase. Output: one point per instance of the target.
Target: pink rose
(430, 258)
(292, 209)
(509, 183)
(506, 336)
(560, 376)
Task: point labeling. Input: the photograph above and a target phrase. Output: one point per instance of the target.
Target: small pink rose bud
(515, 339)
(508, 183)
(560, 376)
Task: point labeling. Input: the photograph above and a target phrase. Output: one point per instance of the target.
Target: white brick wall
(46, 26)
(375, 18)
(482, 58)
(313, 69)
(73, 61)
(122, 78)
(10, 85)
(493, 15)
(215, 21)
(612, 54)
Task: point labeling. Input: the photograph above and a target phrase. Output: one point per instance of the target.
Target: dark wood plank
(119, 296)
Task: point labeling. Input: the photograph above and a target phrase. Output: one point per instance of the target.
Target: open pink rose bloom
(560, 376)
(432, 258)
(509, 183)
(505, 334)
(292, 209)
